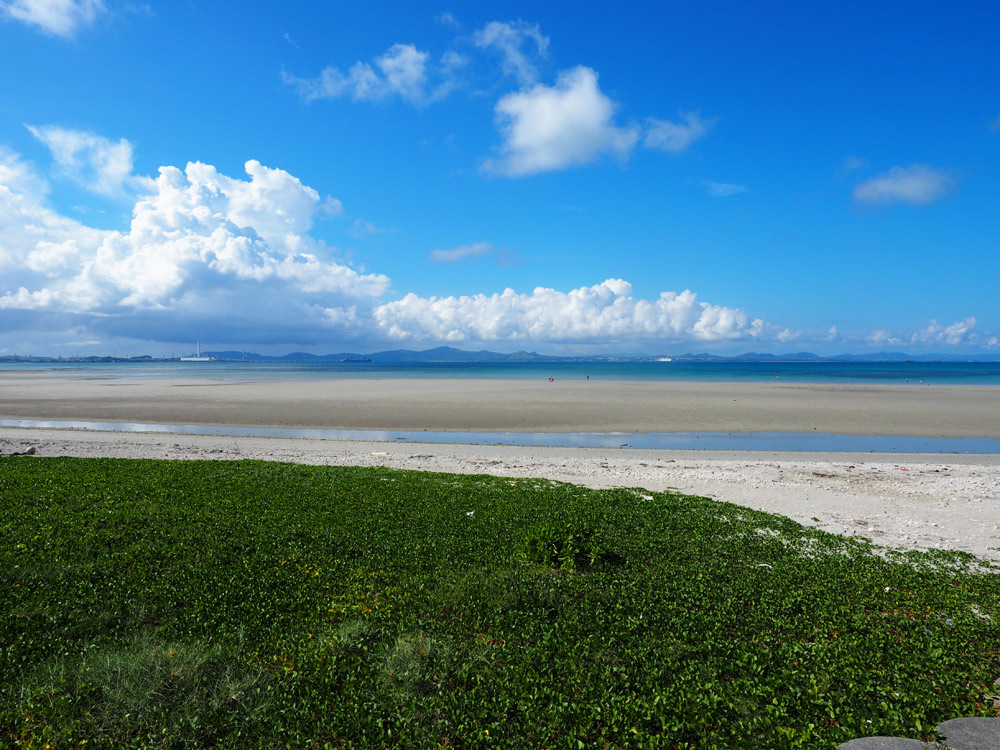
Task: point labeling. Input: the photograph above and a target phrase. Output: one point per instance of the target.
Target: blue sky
(333, 176)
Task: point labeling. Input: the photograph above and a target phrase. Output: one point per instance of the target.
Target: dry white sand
(919, 501)
(914, 501)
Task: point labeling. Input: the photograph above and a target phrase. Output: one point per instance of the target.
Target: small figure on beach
(552, 380)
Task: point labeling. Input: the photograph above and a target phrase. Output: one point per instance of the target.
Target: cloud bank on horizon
(202, 245)
(247, 259)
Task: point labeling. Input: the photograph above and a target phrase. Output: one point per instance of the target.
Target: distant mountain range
(450, 354)
(444, 354)
(439, 354)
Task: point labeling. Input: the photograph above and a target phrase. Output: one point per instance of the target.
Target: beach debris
(765, 565)
(29, 452)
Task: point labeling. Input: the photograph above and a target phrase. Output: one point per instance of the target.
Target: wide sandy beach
(917, 501)
(515, 405)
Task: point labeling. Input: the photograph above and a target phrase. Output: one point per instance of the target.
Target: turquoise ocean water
(939, 373)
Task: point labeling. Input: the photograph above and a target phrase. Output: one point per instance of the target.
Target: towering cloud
(203, 251)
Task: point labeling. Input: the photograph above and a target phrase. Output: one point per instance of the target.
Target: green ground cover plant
(255, 605)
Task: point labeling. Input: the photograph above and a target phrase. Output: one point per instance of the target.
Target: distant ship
(363, 359)
(197, 357)
(664, 359)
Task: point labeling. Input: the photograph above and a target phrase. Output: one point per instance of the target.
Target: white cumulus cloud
(917, 184)
(463, 252)
(605, 313)
(787, 335)
(204, 252)
(675, 137)
(959, 333)
(954, 335)
(553, 127)
(58, 17)
(402, 71)
(509, 39)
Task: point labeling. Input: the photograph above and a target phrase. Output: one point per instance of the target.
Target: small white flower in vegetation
(887, 588)
(469, 512)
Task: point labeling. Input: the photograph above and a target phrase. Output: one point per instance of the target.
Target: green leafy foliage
(248, 604)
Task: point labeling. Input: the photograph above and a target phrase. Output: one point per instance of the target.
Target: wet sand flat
(515, 405)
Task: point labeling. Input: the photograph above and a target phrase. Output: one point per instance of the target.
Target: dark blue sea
(938, 373)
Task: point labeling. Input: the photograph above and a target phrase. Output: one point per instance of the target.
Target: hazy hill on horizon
(444, 354)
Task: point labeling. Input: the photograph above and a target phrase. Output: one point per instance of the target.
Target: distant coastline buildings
(198, 357)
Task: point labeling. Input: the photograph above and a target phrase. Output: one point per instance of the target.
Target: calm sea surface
(939, 373)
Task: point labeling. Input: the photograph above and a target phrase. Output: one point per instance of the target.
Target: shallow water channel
(821, 442)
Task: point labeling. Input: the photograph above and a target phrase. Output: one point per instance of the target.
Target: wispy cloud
(361, 228)
(57, 17)
(448, 19)
(462, 252)
(675, 137)
(960, 333)
(100, 165)
(403, 71)
(917, 184)
(723, 189)
(509, 39)
(853, 164)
